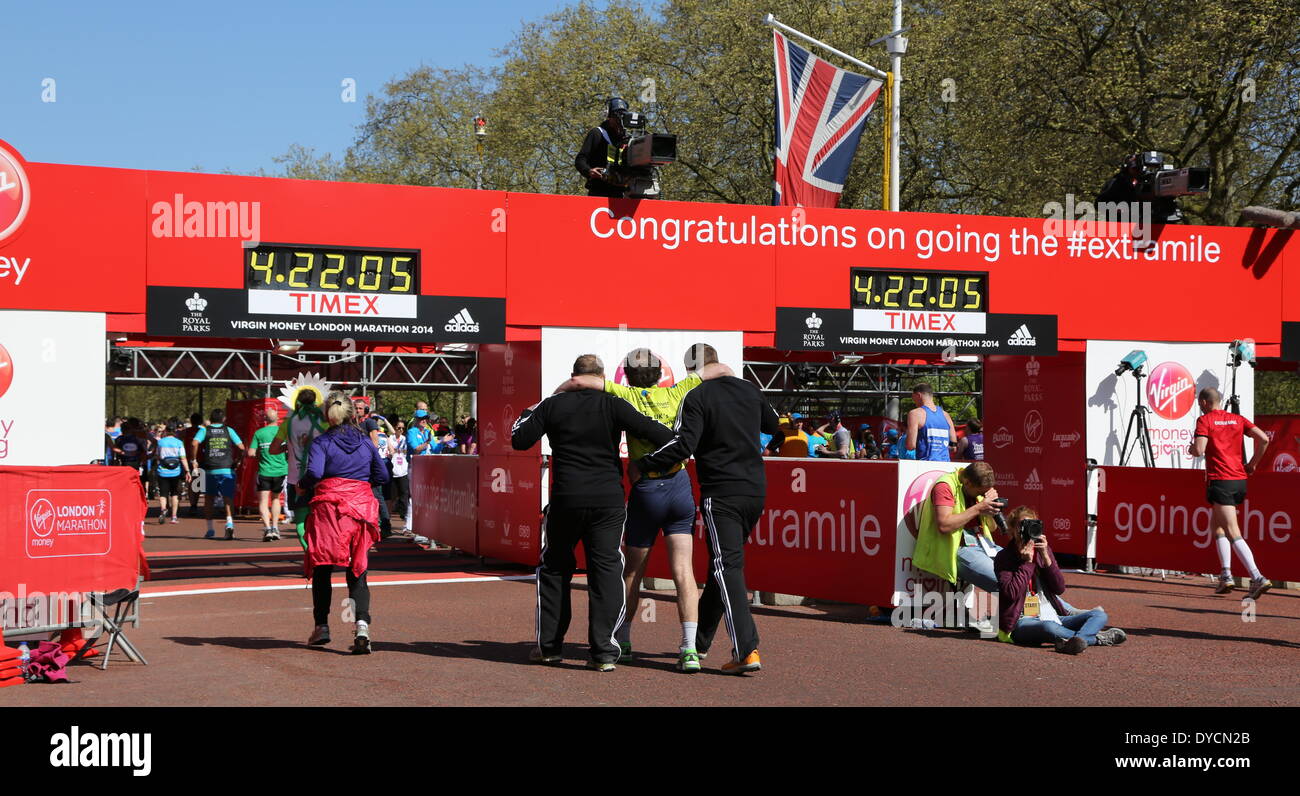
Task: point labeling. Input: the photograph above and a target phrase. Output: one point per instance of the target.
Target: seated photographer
(954, 536)
(1031, 611)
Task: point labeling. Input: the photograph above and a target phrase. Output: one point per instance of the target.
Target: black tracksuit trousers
(728, 521)
(601, 532)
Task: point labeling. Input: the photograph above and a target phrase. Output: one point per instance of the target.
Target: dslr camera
(1030, 531)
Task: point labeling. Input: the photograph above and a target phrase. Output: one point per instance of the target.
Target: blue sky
(228, 85)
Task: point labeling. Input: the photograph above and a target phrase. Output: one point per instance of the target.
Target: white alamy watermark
(1130, 221)
(77, 749)
(25, 609)
(927, 610)
(190, 219)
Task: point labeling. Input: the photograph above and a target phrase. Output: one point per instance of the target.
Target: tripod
(1137, 422)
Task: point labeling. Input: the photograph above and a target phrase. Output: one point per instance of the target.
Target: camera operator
(954, 536)
(600, 152)
(1126, 186)
(1030, 607)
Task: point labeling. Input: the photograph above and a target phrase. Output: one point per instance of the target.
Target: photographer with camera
(1030, 607)
(954, 535)
(599, 154)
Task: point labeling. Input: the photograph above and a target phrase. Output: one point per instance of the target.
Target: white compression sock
(1243, 553)
(688, 635)
(1225, 555)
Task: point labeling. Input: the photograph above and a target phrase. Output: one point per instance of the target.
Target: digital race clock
(332, 269)
(919, 291)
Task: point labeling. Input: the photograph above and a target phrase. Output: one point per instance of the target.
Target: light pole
(480, 135)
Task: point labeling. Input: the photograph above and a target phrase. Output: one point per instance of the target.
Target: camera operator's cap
(616, 106)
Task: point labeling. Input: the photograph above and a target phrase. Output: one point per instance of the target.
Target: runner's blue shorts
(659, 504)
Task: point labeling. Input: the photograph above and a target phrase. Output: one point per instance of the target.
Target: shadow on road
(1196, 634)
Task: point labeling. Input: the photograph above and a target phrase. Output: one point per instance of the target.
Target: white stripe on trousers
(622, 589)
(540, 559)
(717, 575)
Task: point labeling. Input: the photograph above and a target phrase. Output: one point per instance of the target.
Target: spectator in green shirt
(271, 470)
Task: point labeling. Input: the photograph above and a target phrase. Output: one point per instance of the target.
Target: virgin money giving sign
(51, 372)
(1173, 375)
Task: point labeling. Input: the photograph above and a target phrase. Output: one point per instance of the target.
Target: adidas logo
(1032, 482)
(463, 322)
(1022, 337)
(197, 303)
(814, 323)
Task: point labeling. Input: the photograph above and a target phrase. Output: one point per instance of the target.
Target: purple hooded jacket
(344, 452)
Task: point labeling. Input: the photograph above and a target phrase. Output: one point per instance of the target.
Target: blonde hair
(339, 409)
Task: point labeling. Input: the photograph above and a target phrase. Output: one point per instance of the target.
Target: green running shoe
(688, 661)
(624, 651)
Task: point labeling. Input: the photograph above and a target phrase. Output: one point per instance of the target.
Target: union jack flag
(820, 113)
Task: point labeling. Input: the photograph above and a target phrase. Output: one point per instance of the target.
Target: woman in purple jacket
(342, 467)
(1030, 607)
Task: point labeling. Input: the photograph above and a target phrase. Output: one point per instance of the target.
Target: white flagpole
(871, 70)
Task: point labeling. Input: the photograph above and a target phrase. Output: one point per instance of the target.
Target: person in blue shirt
(930, 430)
(217, 443)
(419, 438)
(173, 472)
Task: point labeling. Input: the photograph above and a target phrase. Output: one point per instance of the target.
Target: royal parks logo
(6, 370)
(813, 336)
(195, 321)
(15, 193)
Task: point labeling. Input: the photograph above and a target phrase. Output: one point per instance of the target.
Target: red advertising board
(827, 531)
(510, 374)
(1157, 517)
(246, 417)
(70, 529)
(444, 499)
(1283, 452)
(510, 513)
(1034, 438)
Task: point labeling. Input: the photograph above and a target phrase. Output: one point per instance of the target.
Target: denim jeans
(1084, 625)
(976, 566)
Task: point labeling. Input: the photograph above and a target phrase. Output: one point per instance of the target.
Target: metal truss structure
(864, 389)
(201, 367)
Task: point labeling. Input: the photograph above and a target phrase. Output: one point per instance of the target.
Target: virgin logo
(917, 492)
(15, 194)
(42, 518)
(1033, 426)
(1284, 463)
(6, 370)
(1170, 390)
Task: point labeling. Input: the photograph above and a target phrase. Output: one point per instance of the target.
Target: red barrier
(444, 499)
(510, 508)
(70, 529)
(1160, 518)
(246, 417)
(827, 531)
(1283, 452)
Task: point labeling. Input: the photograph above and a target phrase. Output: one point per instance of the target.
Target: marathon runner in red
(1219, 439)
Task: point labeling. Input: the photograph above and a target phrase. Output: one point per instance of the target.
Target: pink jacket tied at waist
(342, 525)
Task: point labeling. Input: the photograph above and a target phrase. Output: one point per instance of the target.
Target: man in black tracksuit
(587, 505)
(719, 421)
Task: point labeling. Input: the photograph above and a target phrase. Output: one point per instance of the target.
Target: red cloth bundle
(11, 681)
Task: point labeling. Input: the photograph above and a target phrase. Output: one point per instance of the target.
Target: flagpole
(871, 70)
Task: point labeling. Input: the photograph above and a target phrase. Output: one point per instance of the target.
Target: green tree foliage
(1006, 106)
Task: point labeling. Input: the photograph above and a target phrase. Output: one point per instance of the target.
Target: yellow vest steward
(937, 552)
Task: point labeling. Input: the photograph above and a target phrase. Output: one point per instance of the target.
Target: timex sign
(870, 330)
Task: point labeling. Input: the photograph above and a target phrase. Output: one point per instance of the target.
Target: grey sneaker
(1225, 586)
(1258, 587)
(361, 642)
(1071, 646)
(320, 636)
(1111, 637)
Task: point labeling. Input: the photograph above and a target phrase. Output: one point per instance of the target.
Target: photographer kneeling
(1031, 610)
(954, 536)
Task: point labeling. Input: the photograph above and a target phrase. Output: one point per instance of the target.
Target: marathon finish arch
(96, 239)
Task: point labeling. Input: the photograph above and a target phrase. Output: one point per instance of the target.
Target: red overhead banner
(70, 529)
(1157, 517)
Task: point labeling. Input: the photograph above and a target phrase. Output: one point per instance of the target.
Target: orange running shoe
(750, 664)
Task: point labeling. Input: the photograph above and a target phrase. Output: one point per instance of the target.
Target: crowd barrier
(67, 532)
(1159, 518)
